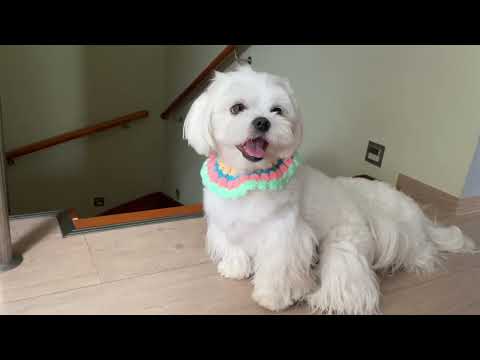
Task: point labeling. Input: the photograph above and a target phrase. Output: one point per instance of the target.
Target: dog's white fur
(321, 239)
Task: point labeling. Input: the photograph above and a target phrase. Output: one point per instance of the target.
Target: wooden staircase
(152, 201)
(151, 207)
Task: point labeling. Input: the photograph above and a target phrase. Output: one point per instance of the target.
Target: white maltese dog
(301, 234)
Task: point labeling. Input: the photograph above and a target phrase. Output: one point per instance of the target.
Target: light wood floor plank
(163, 269)
(193, 290)
(50, 262)
(148, 249)
(440, 296)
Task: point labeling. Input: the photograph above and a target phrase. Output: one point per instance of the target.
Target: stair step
(152, 201)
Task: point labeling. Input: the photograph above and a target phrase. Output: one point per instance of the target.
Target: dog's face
(249, 119)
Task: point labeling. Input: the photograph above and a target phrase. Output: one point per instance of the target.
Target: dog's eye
(237, 108)
(277, 109)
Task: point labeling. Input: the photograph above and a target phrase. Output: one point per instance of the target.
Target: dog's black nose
(261, 124)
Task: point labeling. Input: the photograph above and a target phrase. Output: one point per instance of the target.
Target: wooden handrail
(72, 135)
(203, 76)
(138, 216)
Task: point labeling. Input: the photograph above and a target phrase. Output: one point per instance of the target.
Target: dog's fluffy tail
(404, 236)
(416, 245)
(450, 238)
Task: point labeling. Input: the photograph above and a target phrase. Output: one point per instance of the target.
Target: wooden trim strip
(72, 213)
(107, 220)
(68, 136)
(426, 194)
(438, 205)
(228, 51)
(468, 206)
(444, 203)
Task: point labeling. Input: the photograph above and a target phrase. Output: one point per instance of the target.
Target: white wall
(47, 90)
(421, 102)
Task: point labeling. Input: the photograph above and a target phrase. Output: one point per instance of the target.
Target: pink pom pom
(274, 175)
(214, 176)
(241, 180)
(222, 182)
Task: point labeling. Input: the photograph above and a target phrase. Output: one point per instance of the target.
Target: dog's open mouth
(254, 149)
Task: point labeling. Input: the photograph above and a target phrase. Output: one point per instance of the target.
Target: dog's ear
(298, 120)
(242, 66)
(288, 88)
(196, 128)
(217, 75)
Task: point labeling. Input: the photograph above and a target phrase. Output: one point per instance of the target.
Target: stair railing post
(8, 260)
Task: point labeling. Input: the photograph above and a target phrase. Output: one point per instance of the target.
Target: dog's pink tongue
(256, 147)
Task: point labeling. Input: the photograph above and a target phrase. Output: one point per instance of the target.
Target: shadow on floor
(34, 236)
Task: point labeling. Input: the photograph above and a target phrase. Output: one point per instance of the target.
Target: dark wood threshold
(363, 176)
(156, 200)
(71, 224)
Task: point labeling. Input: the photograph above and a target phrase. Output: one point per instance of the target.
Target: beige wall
(418, 101)
(46, 90)
(184, 63)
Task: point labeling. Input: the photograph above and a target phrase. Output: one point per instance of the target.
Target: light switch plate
(375, 153)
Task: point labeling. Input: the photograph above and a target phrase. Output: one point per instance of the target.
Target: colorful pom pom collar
(224, 181)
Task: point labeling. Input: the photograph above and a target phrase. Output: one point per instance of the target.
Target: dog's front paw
(237, 266)
(354, 301)
(271, 300)
(281, 294)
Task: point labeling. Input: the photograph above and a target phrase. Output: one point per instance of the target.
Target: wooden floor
(163, 269)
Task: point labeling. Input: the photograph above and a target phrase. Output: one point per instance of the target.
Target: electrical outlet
(177, 194)
(375, 153)
(98, 201)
